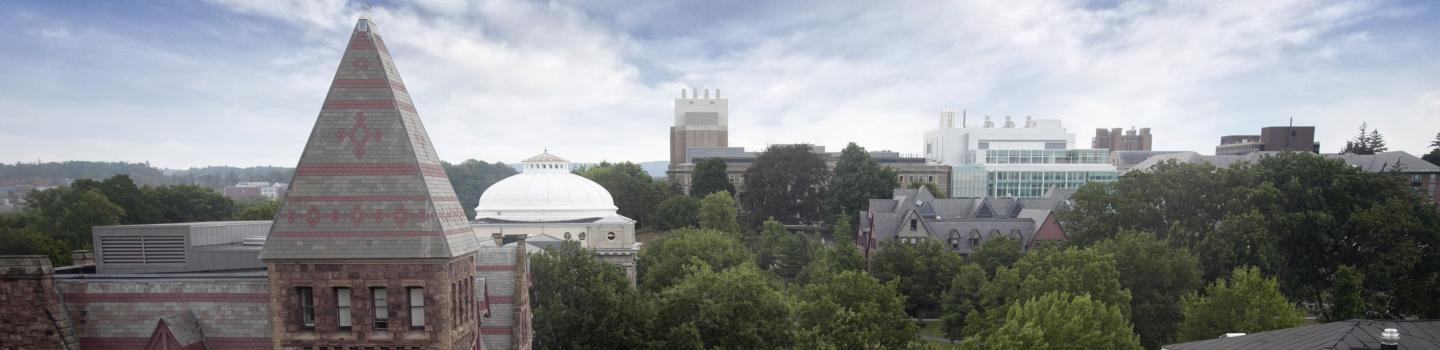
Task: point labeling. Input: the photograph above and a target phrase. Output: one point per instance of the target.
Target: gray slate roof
(962, 217)
(1374, 163)
(185, 328)
(1343, 335)
(369, 184)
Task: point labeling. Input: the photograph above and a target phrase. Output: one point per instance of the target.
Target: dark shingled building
(1343, 335)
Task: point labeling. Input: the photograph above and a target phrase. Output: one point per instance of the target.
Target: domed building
(550, 205)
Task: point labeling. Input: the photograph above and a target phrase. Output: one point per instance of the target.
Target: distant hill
(655, 168)
(63, 173)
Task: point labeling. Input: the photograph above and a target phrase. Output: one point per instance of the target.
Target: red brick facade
(449, 304)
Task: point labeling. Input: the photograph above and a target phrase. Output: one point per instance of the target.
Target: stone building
(1270, 139)
(549, 204)
(1118, 140)
(700, 122)
(369, 250)
(964, 224)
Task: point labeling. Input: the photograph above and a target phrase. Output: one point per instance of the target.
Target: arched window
(610, 236)
(567, 236)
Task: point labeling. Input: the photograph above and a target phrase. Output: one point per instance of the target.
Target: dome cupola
(545, 191)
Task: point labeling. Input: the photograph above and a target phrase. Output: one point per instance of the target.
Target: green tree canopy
(996, 252)
(1346, 301)
(786, 182)
(709, 177)
(677, 212)
(1246, 303)
(186, 203)
(718, 212)
(1060, 320)
(1074, 270)
(471, 178)
(1157, 276)
(262, 211)
(89, 209)
(636, 193)
(664, 261)
(928, 186)
(736, 308)
(961, 299)
(852, 310)
(1370, 142)
(580, 303)
(923, 271)
(856, 180)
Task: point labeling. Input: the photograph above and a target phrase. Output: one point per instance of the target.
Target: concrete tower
(371, 249)
(700, 121)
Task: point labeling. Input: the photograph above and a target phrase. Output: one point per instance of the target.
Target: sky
(240, 82)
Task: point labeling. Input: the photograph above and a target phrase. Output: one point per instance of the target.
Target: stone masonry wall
(31, 314)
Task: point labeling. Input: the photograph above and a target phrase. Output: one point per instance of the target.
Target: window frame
(417, 311)
(305, 300)
(380, 308)
(344, 308)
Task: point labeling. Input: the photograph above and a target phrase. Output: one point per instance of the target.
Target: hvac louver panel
(168, 249)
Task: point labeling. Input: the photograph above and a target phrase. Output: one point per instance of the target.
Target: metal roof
(1343, 335)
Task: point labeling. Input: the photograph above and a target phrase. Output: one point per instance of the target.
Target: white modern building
(549, 204)
(1022, 161)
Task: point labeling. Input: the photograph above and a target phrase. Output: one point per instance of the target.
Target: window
(380, 304)
(567, 236)
(342, 308)
(417, 307)
(610, 236)
(307, 306)
(913, 224)
(582, 236)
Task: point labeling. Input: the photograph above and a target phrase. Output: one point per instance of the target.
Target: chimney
(1390, 339)
(717, 94)
(682, 93)
(707, 94)
(499, 239)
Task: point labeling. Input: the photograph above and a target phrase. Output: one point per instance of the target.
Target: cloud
(593, 80)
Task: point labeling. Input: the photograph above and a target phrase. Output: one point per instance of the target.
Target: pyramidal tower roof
(369, 185)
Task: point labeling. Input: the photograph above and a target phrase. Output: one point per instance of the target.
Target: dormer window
(914, 224)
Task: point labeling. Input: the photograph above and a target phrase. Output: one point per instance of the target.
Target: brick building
(1122, 140)
(369, 250)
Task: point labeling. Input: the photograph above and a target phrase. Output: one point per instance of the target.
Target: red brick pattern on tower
(369, 184)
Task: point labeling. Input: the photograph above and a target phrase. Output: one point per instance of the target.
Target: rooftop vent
(1390, 339)
(255, 241)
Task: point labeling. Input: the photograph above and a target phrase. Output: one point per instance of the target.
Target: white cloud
(593, 80)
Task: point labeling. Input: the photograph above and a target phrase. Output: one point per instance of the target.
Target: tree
(853, 311)
(995, 297)
(1060, 320)
(787, 182)
(1157, 276)
(922, 270)
(1074, 270)
(856, 180)
(1246, 303)
(1345, 299)
(677, 212)
(710, 176)
(121, 190)
(664, 261)
(1241, 239)
(1366, 142)
(842, 231)
(1433, 157)
(186, 203)
(580, 303)
(636, 194)
(1436, 142)
(718, 212)
(263, 211)
(962, 299)
(471, 178)
(735, 308)
(996, 252)
(89, 209)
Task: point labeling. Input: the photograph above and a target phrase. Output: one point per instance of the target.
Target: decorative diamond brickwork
(369, 184)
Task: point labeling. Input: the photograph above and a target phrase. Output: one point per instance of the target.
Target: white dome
(545, 191)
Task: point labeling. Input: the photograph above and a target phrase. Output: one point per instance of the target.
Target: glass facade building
(1031, 184)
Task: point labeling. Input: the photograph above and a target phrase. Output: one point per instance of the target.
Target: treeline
(712, 286)
(1180, 253)
(62, 173)
(788, 183)
(58, 221)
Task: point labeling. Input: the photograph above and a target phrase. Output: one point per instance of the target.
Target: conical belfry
(369, 184)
